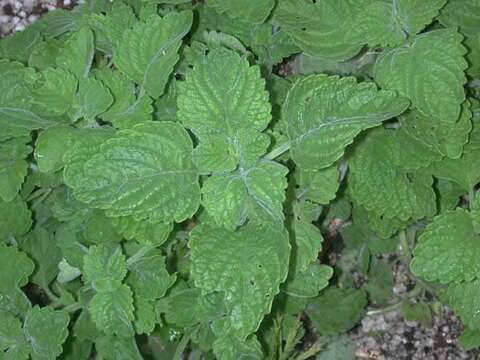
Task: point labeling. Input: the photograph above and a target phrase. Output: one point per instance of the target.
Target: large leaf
(146, 172)
(224, 102)
(13, 345)
(247, 266)
(430, 72)
(149, 51)
(447, 250)
(325, 113)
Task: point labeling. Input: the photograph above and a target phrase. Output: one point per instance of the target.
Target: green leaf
(15, 269)
(19, 45)
(247, 266)
(337, 310)
(430, 72)
(44, 54)
(40, 245)
(16, 115)
(340, 348)
(118, 348)
(307, 245)
(110, 27)
(388, 23)
(77, 54)
(418, 312)
(149, 278)
(325, 113)
(322, 28)
(149, 51)
(112, 311)
(145, 320)
(46, 330)
(105, 267)
(127, 109)
(446, 251)
(146, 172)
(254, 11)
(53, 90)
(16, 218)
(13, 166)
(84, 147)
(464, 171)
(319, 186)
(144, 232)
(445, 138)
(231, 348)
(381, 181)
(92, 99)
(256, 193)
(308, 283)
(13, 345)
(463, 14)
(224, 102)
(380, 282)
(50, 147)
(470, 339)
(462, 298)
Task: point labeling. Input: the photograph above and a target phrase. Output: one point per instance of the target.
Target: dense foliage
(222, 178)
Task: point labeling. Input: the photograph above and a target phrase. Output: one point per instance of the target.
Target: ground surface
(383, 337)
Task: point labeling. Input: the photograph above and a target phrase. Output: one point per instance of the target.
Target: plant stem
(314, 350)
(41, 198)
(283, 148)
(385, 309)
(402, 236)
(182, 345)
(471, 197)
(140, 254)
(53, 298)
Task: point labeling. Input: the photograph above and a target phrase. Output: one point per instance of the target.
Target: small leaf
(112, 311)
(77, 54)
(446, 251)
(149, 51)
(255, 193)
(337, 310)
(13, 166)
(46, 330)
(92, 99)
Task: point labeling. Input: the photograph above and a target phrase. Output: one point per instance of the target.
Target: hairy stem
(182, 345)
(314, 350)
(402, 237)
(283, 148)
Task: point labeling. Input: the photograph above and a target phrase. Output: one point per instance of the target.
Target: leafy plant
(221, 178)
